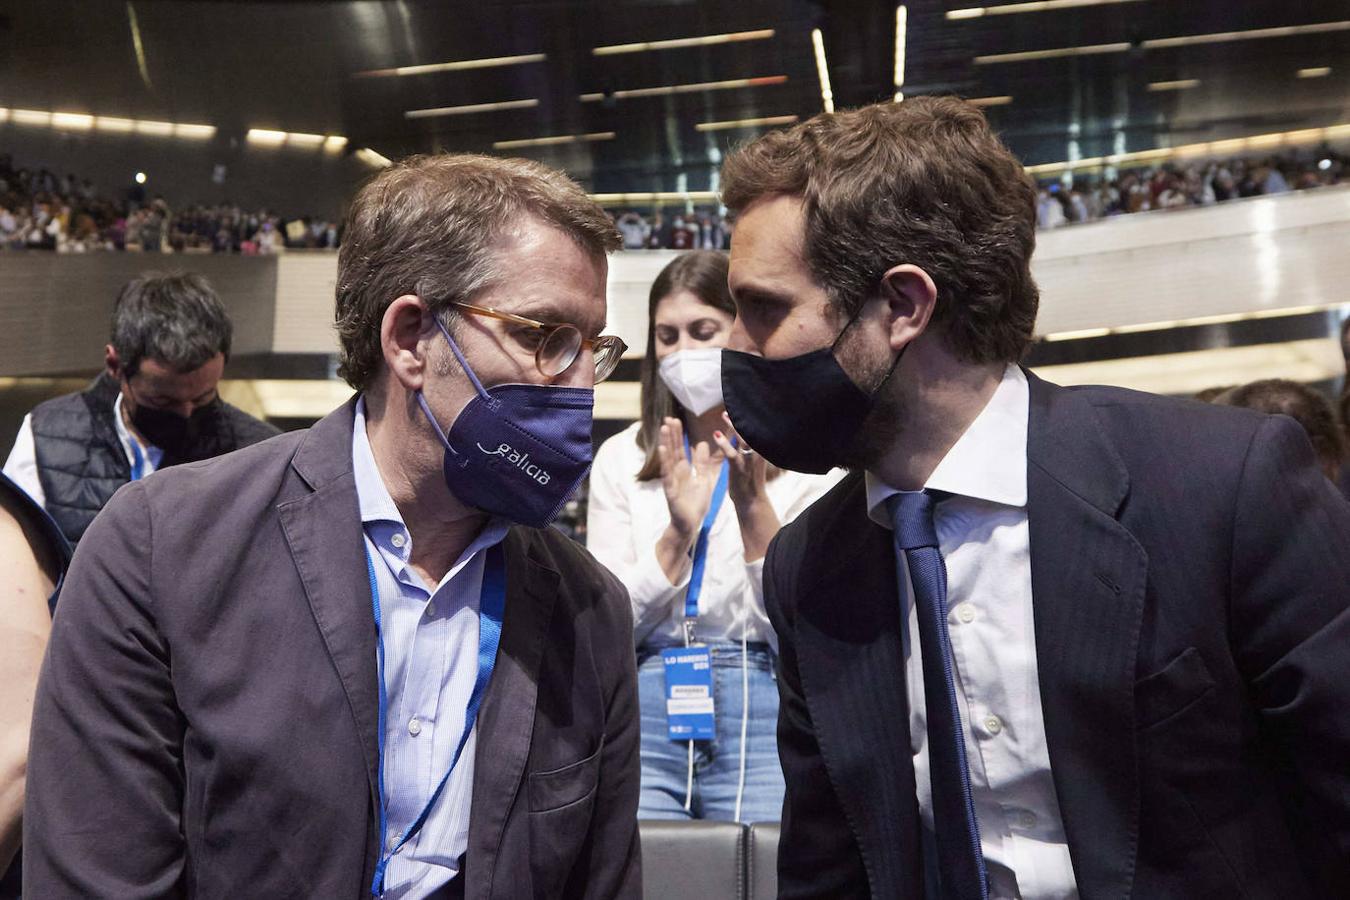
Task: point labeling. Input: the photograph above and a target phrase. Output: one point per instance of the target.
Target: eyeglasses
(560, 345)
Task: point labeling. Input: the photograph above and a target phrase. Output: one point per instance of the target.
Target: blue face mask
(517, 450)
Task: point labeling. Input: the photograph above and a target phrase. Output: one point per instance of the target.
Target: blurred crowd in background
(1169, 186)
(42, 210)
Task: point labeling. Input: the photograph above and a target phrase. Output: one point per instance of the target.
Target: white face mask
(695, 378)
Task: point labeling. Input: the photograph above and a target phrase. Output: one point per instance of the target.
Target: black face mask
(802, 413)
(182, 438)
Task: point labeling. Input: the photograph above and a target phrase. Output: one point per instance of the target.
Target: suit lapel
(1088, 577)
(506, 721)
(852, 670)
(323, 531)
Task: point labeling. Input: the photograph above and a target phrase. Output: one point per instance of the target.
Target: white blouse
(626, 517)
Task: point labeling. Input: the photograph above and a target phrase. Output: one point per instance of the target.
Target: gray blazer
(205, 723)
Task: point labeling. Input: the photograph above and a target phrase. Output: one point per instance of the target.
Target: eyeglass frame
(591, 343)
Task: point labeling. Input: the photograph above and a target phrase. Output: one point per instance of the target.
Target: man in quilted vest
(156, 404)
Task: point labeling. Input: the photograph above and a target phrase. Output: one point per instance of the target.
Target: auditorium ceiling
(644, 95)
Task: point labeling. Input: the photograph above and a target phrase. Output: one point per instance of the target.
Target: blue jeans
(665, 763)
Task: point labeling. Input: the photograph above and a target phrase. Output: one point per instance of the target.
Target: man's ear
(911, 297)
(403, 332)
(111, 362)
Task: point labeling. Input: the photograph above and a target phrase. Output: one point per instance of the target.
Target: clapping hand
(688, 483)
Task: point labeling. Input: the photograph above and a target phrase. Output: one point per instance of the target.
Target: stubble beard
(881, 428)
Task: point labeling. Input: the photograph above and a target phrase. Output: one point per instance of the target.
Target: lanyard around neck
(491, 608)
(700, 563)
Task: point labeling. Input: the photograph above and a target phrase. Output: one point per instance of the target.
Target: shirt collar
(373, 497)
(153, 453)
(988, 462)
(371, 494)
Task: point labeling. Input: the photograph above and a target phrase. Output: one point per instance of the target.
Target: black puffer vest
(80, 460)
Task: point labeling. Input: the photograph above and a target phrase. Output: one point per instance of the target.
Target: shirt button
(1025, 820)
(965, 613)
(398, 540)
(993, 724)
(414, 726)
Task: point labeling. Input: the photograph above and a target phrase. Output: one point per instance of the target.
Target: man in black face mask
(1044, 642)
(155, 405)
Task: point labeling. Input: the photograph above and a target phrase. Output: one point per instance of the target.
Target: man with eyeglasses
(354, 661)
(156, 404)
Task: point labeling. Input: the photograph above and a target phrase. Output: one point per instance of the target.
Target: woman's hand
(688, 484)
(746, 468)
(745, 487)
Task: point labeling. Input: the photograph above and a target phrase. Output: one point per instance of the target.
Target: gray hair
(173, 318)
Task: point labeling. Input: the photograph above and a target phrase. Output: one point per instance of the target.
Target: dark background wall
(55, 309)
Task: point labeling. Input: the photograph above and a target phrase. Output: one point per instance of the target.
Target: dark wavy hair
(175, 318)
(702, 273)
(925, 182)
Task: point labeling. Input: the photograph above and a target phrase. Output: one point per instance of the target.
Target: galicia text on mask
(520, 461)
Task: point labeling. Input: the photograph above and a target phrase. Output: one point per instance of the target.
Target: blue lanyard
(491, 607)
(701, 545)
(138, 461)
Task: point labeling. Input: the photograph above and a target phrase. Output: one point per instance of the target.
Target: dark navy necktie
(960, 859)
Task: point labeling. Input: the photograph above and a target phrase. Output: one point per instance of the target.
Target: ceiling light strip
(1003, 100)
(71, 121)
(823, 70)
(673, 89)
(761, 122)
(554, 140)
(1315, 72)
(469, 109)
(454, 66)
(199, 132)
(1229, 146)
(1191, 40)
(370, 157)
(1184, 84)
(1225, 37)
(265, 136)
(977, 12)
(707, 40)
(1058, 53)
(158, 129)
(901, 32)
(31, 116)
(113, 123)
(269, 138)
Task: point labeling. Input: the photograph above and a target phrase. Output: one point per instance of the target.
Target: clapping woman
(683, 512)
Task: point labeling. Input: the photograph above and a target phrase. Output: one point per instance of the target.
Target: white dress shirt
(21, 466)
(626, 517)
(430, 665)
(983, 536)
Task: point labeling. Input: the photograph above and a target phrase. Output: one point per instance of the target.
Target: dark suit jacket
(206, 717)
(1190, 573)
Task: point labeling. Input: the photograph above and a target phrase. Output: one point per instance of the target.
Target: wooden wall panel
(55, 309)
